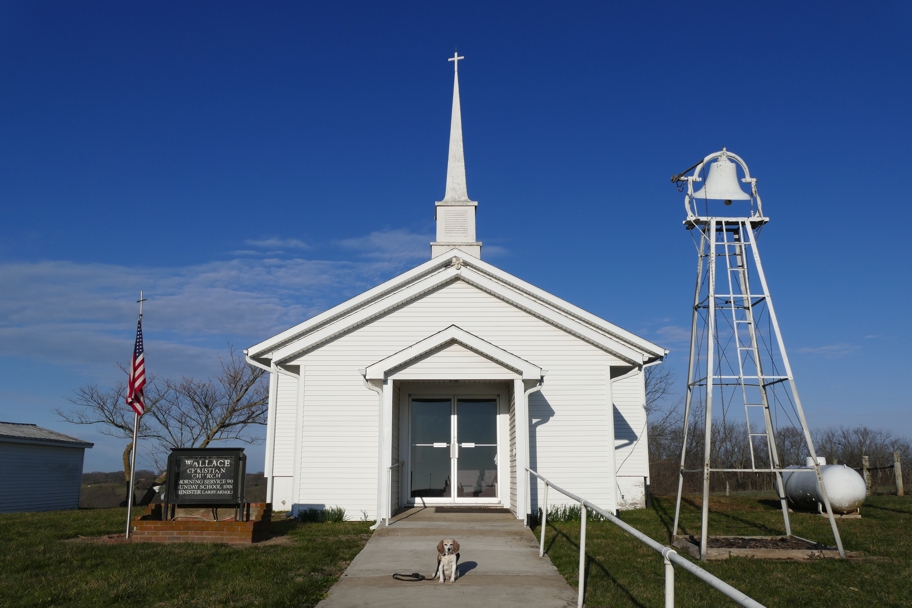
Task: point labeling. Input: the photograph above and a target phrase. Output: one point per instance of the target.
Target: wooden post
(865, 465)
(897, 474)
(726, 487)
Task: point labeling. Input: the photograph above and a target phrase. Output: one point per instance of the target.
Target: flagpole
(132, 472)
(133, 450)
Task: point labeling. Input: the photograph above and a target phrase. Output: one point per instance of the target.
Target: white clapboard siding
(285, 418)
(453, 362)
(38, 477)
(570, 433)
(630, 427)
(340, 430)
(339, 439)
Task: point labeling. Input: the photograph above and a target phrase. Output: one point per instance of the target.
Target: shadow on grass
(730, 516)
(775, 505)
(591, 563)
(665, 518)
(900, 511)
(281, 527)
(550, 542)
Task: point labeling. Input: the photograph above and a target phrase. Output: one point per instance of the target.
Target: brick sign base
(149, 528)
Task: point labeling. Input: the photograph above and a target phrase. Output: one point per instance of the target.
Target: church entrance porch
(453, 424)
(453, 441)
(453, 451)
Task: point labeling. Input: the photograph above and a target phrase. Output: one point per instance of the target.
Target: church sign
(209, 476)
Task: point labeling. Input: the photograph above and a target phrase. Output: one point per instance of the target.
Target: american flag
(137, 374)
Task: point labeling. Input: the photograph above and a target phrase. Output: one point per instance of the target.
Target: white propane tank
(845, 487)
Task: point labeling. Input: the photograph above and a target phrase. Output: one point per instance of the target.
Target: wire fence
(881, 478)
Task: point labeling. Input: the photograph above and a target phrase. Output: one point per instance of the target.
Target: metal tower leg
(753, 354)
(710, 368)
(798, 408)
(690, 385)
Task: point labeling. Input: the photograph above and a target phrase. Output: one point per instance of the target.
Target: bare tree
(194, 413)
(180, 413)
(106, 407)
(659, 382)
(849, 445)
(665, 419)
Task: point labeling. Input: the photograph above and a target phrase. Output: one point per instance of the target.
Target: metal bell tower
(738, 368)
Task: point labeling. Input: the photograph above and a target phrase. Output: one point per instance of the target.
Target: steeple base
(472, 249)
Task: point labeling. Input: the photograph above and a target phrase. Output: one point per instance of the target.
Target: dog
(447, 560)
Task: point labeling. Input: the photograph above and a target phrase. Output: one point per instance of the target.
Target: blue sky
(249, 165)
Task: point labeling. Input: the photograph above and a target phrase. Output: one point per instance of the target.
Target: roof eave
(277, 347)
(51, 442)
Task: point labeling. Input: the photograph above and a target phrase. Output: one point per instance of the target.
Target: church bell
(722, 183)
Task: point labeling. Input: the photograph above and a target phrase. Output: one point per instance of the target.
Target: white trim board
(436, 272)
(454, 335)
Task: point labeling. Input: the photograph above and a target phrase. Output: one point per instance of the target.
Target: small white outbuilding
(42, 469)
(441, 385)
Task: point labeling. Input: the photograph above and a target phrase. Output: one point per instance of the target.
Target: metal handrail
(669, 555)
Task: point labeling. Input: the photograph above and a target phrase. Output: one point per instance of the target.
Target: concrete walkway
(499, 565)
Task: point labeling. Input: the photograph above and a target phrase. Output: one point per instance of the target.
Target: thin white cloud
(494, 251)
(673, 334)
(831, 351)
(393, 245)
(277, 243)
(249, 252)
(83, 315)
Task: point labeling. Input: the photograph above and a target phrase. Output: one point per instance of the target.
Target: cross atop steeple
(456, 212)
(455, 59)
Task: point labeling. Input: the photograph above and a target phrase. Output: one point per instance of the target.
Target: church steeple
(455, 214)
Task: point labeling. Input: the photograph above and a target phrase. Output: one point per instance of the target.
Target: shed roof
(20, 432)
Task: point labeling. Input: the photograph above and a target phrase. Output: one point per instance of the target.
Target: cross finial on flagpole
(140, 302)
(455, 59)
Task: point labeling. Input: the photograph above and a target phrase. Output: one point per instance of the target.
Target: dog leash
(414, 577)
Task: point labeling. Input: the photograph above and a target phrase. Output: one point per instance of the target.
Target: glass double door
(453, 450)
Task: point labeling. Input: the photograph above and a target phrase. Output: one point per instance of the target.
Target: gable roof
(19, 432)
(436, 272)
(446, 337)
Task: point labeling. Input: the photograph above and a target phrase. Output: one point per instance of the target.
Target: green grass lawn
(621, 571)
(39, 566)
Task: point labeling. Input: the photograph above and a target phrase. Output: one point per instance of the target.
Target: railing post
(669, 555)
(897, 473)
(544, 523)
(669, 578)
(582, 563)
(865, 466)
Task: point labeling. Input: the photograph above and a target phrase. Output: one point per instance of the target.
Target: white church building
(441, 385)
